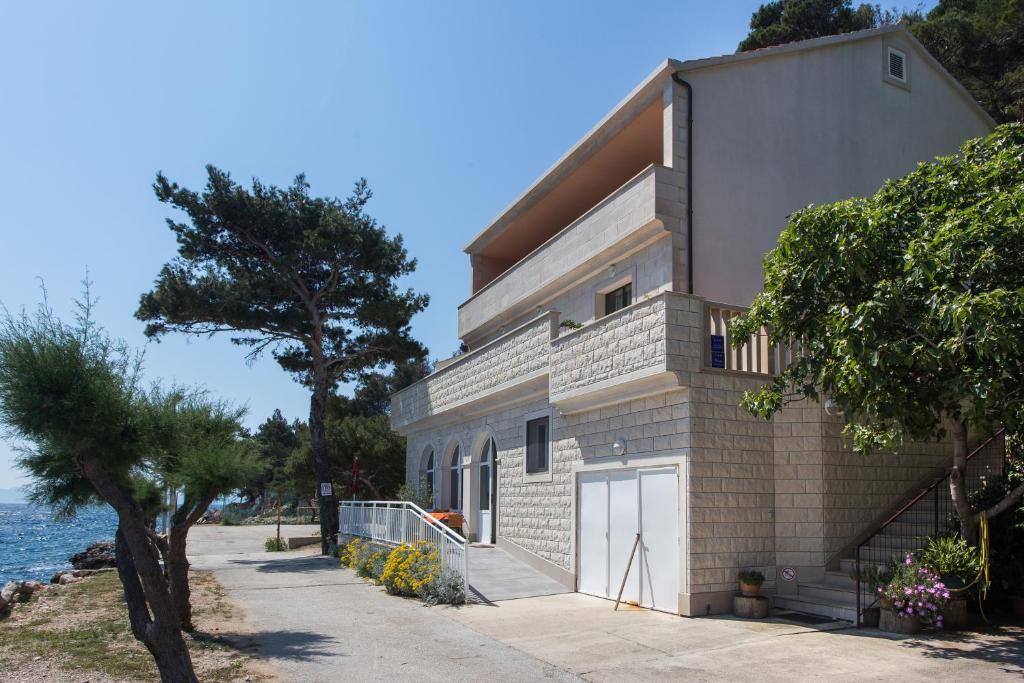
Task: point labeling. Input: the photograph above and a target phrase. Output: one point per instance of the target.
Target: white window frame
(545, 476)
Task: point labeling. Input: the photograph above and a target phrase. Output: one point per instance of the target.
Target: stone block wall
(518, 354)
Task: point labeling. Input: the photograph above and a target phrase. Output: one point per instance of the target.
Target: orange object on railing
(452, 520)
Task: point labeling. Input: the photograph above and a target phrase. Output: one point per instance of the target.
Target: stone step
(840, 580)
(847, 564)
(820, 608)
(827, 593)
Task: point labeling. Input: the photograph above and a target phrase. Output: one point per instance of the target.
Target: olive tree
(908, 307)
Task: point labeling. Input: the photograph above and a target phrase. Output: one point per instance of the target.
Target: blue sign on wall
(718, 351)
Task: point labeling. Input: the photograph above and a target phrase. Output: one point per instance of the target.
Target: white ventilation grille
(897, 65)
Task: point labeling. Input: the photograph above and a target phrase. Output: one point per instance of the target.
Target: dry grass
(80, 632)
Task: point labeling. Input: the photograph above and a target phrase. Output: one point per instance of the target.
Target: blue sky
(449, 109)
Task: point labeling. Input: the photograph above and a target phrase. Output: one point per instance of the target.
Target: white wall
(775, 134)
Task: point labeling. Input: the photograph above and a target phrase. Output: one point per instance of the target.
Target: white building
(560, 444)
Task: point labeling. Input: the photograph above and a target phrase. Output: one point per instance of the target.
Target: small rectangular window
(537, 445)
(618, 298)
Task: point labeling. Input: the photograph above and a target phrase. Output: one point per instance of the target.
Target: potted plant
(958, 565)
(872, 577)
(750, 582)
(913, 597)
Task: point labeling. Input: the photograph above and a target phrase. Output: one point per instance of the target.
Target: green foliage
(751, 577)
(366, 559)
(447, 588)
(873, 576)
(980, 42)
(1006, 532)
(954, 560)
(909, 305)
(786, 21)
(418, 494)
(274, 441)
(313, 279)
(67, 390)
(570, 324)
(275, 544)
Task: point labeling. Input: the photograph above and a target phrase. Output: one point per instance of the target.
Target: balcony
(633, 216)
(641, 350)
(509, 369)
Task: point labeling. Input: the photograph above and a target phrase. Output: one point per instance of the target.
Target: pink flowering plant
(915, 590)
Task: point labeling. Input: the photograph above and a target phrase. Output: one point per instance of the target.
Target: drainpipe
(689, 176)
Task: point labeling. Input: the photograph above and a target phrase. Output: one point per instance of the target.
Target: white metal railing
(399, 521)
(756, 356)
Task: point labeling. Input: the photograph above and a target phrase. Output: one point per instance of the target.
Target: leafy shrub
(952, 558)
(347, 551)
(410, 568)
(446, 589)
(915, 590)
(570, 324)
(275, 544)
(418, 494)
(751, 577)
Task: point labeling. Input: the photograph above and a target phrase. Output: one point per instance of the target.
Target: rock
(67, 579)
(97, 556)
(55, 579)
(9, 590)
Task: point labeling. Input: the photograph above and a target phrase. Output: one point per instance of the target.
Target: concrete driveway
(584, 636)
(316, 622)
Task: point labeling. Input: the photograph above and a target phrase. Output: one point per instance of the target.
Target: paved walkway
(495, 575)
(317, 622)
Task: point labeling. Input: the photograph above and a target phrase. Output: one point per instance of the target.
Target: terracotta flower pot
(750, 589)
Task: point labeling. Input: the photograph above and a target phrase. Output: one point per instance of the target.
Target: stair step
(828, 593)
(840, 580)
(821, 608)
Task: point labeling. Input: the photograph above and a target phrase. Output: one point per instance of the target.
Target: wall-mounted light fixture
(619, 447)
(611, 270)
(832, 408)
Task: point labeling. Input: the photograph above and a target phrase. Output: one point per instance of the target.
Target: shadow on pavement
(997, 644)
(289, 564)
(293, 645)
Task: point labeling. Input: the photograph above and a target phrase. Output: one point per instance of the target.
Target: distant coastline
(16, 495)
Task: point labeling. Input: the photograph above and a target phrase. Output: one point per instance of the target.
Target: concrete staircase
(926, 514)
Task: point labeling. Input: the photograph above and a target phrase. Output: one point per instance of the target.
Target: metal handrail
(907, 507)
(395, 522)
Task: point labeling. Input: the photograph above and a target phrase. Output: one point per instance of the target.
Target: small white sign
(788, 573)
(326, 490)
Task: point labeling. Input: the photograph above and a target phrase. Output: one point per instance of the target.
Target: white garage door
(613, 507)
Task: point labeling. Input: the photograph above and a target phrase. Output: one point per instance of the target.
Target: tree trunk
(321, 466)
(176, 558)
(141, 574)
(957, 485)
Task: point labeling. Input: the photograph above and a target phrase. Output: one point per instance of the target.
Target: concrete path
(317, 622)
(495, 575)
(583, 635)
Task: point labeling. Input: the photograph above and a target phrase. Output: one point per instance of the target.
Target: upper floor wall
(807, 125)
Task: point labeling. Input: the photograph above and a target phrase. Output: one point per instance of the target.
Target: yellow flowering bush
(348, 552)
(411, 568)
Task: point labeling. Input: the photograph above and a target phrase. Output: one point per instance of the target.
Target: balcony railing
(756, 356)
(504, 364)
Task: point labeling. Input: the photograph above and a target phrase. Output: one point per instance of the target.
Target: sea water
(33, 545)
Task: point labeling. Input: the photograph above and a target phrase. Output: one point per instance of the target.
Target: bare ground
(80, 633)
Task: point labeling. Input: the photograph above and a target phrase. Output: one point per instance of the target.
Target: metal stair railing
(927, 514)
(395, 522)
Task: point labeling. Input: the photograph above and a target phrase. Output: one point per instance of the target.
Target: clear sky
(449, 109)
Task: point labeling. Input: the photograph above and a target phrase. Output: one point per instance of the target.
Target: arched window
(428, 474)
(455, 478)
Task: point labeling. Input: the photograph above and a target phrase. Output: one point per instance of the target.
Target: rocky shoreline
(98, 557)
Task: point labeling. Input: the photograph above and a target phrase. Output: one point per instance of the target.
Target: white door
(485, 493)
(614, 506)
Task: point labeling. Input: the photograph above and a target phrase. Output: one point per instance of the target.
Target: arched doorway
(486, 492)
